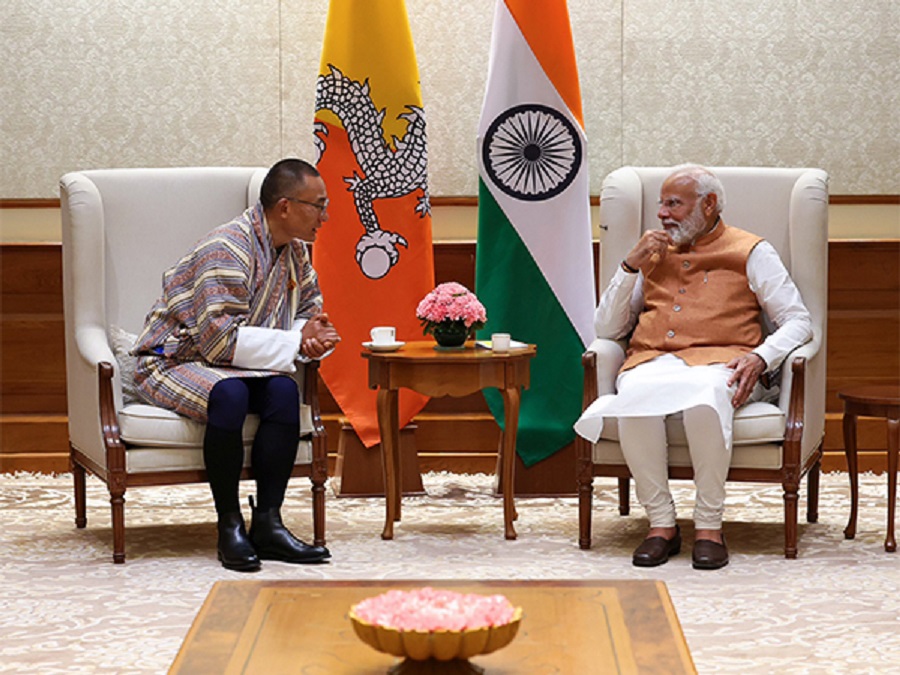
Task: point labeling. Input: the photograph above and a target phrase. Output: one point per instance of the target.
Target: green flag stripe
(520, 302)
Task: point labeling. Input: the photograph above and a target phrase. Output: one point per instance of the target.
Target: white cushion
(162, 440)
(755, 423)
(150, 426)
(147, 460)
(764, 456)
(758, 433)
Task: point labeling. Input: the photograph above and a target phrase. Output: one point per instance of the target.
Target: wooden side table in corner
(872, 401)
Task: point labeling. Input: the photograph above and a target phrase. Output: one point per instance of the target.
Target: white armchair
(775, 443)
(122, 228)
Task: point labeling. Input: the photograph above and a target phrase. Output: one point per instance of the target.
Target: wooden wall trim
(856, 200)
(29, 203)
(453, 433)
(461, 200)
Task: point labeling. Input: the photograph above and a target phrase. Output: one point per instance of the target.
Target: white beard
(686, 231)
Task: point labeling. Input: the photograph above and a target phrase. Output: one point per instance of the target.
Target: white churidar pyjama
(646, 394)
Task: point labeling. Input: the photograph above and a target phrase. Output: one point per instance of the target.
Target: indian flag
(374, 256)
(534, 268)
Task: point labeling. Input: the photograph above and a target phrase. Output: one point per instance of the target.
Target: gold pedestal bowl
(436, 652)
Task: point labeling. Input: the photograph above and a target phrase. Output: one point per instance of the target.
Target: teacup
(500, 342)
(383, 335)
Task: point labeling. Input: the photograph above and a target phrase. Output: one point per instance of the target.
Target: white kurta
(666, 384)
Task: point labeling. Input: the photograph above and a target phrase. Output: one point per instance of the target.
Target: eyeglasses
(671, 204)
(322, 207)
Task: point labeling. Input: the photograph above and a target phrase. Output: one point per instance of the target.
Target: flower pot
(451, 333)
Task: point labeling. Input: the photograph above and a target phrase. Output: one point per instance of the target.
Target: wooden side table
(872, 401)
(422, 368)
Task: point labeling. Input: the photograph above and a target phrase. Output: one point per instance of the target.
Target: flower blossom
(429, 609)
(451, 301)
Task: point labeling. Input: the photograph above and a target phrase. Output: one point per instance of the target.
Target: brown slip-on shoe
(655, 551)
(709, 555)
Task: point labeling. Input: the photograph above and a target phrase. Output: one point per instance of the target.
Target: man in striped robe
(235, 313)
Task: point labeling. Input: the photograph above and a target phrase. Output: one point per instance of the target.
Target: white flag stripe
(515, 76)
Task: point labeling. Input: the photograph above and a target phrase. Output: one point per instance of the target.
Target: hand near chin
(651, 248)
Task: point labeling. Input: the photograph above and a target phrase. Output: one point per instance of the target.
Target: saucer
(383, 347)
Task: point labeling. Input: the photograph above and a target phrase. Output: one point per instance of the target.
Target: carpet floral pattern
(65, 608)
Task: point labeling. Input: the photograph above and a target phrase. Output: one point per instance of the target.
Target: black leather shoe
(273, 541)
(655, 551)
(709, 555)
(234, 548)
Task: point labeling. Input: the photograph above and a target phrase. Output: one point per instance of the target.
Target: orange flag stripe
(545, 31)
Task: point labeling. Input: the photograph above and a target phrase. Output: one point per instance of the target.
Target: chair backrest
(125, 227)
(122, 228)
(788, 207)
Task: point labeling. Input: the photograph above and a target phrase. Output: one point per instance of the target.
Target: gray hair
(705, 180)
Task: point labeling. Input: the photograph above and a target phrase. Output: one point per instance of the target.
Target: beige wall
(88, 84)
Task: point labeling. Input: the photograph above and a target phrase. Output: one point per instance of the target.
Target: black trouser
(277, 402)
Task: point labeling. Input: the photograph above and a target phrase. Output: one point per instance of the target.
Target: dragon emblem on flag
(387, 172)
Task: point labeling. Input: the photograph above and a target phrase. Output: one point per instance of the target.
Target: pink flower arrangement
(428, 609)
(451, 302)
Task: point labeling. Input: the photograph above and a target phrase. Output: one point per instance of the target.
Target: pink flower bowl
(407, 624)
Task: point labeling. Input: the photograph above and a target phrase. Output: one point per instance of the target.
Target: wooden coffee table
(422, 368)
(568, 627)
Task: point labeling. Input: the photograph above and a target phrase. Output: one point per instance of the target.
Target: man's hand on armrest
(747, 370)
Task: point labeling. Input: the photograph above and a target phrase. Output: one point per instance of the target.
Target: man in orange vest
(690, 294)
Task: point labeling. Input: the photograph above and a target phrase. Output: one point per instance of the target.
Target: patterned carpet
(65, 608)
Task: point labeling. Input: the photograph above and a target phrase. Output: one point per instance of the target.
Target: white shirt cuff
(266, 349)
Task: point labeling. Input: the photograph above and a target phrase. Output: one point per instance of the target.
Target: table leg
(508, 448)
(850, 451)
(890, 544)
(390, 449)
(395, 453)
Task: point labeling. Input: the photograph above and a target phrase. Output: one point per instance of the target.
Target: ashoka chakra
(531, 152)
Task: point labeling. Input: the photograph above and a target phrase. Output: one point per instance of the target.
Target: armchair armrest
(802, 399)
(93, 345)
(319, 472)
(610, 355)
(310, 397)
(109, 427)
(805, 352)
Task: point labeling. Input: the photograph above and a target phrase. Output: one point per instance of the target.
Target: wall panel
(87, 84)
(767, 83)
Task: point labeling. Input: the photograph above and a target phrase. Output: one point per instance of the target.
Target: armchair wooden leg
(80, 498)
(318, 507)
(624, 496)
(585, 505)
(117, 501)
(791, 498)
(812, 500)
(584, 480)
